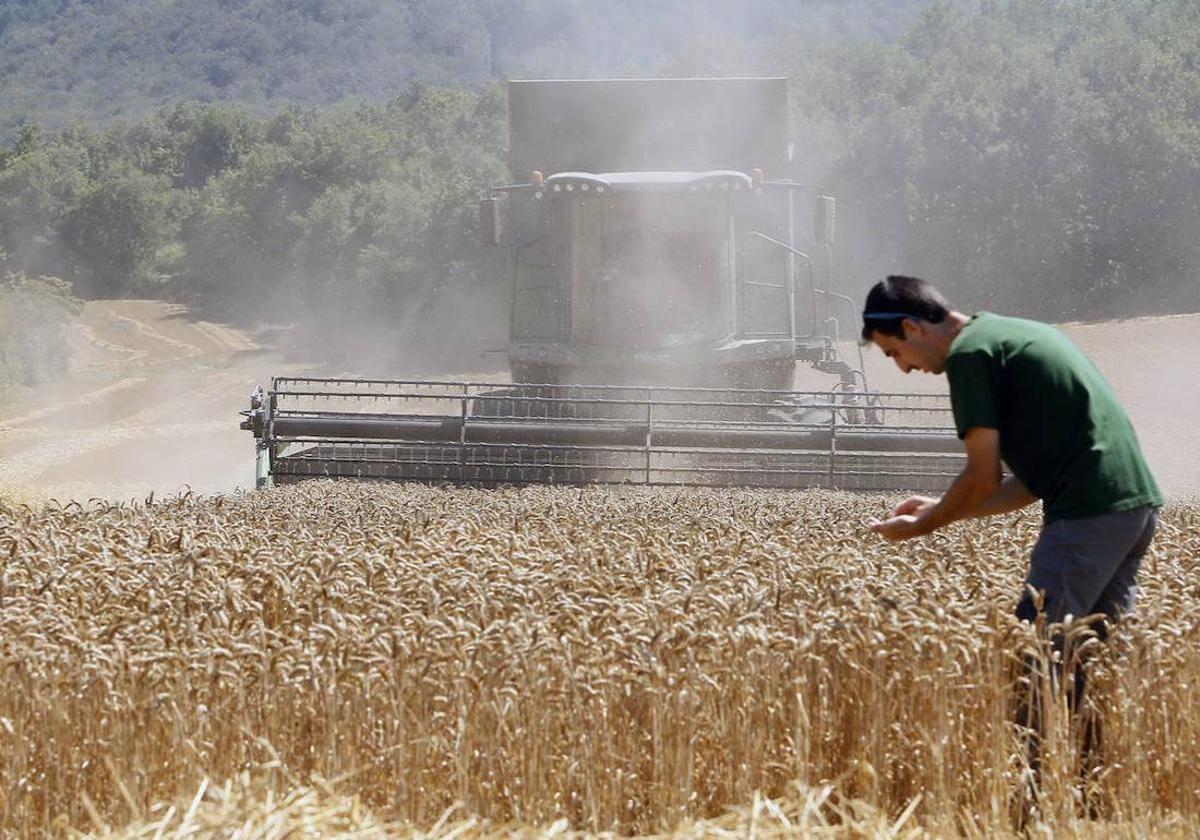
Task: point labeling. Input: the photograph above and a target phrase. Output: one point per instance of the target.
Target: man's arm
(1009, 496)
(976, 489)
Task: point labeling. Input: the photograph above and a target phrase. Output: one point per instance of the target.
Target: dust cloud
(149, 404)
(448, 329)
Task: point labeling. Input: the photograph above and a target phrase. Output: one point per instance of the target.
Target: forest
(97, 60)
(1040, 156)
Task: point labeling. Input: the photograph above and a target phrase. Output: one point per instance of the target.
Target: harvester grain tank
(661, 299)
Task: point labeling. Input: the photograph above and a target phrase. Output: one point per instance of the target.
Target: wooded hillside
(95, 60)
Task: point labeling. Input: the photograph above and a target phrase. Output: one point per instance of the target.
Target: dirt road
(153, 397)
(150, 404)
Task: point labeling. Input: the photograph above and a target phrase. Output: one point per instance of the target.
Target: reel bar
(584, 433)
(474, 389)
(827, 403)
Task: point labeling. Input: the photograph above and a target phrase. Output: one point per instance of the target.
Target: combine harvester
(661, 301)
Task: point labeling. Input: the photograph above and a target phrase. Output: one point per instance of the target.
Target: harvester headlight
(724, 180)
(599, 189)
(585, 187)
(570, 188)
(558, 187)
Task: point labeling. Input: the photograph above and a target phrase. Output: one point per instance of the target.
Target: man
(1021, 393)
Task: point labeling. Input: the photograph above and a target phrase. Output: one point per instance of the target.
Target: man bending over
(1023, 394)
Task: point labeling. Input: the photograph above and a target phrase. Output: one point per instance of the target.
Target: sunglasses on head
(884, 316)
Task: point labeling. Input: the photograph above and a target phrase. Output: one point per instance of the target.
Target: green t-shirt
(1062, 432)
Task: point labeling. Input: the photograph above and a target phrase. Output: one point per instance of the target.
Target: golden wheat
(625, 660)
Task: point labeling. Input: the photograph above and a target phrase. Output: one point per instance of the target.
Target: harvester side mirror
(489, 221)
(825, 220)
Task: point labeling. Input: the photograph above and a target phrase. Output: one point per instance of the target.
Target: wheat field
(406, 660)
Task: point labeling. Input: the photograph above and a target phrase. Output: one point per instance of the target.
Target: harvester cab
(648, 245)
(663, 277)
(661, 300)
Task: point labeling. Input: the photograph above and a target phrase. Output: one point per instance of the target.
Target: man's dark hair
(892, 300)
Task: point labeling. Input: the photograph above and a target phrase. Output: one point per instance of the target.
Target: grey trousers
(1090, 565)
(1082, 567)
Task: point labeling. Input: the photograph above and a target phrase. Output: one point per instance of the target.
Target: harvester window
(537, 311)
(650, 270)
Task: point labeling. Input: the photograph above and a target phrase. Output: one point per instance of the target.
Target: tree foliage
(104, 59)
(1040, 154)
(364, 209)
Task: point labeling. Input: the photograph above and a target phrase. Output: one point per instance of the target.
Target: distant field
(341, 657)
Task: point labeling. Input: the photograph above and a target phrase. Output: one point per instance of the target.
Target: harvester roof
(715, 180)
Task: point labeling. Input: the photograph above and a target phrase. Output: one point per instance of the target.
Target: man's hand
(916, 505)
(978, 482)
(903, 526)
(905, 521)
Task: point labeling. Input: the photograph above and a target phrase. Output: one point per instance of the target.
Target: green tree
(1040, 155)
(38, 184)
(117, 231)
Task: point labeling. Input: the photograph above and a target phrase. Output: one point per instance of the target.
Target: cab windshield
(651, 270)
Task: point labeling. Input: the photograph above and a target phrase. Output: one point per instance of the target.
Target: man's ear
(913, 328)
